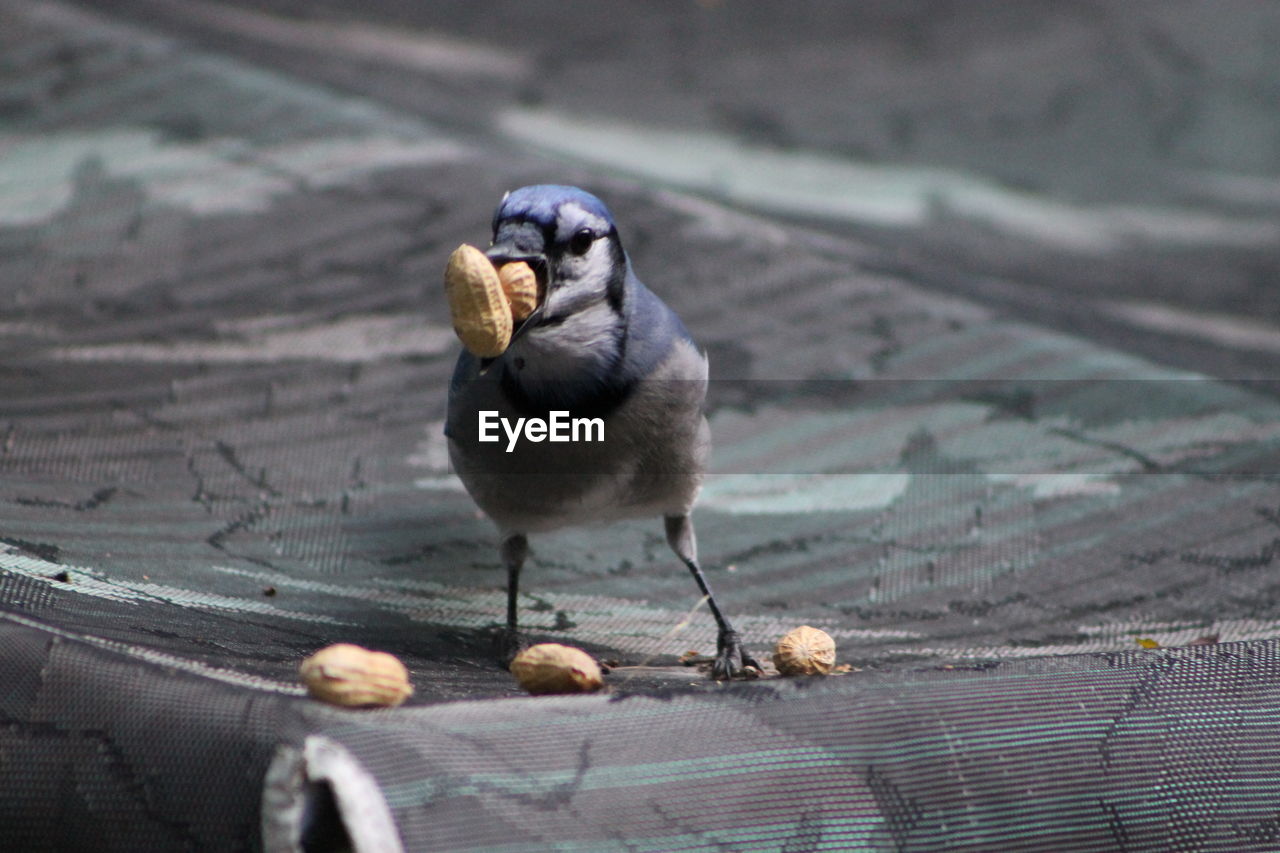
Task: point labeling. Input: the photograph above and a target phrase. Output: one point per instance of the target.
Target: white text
(557, 427)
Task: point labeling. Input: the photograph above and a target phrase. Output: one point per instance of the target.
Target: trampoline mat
(221, 402)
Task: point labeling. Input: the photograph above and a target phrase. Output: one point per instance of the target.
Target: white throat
(584, 345)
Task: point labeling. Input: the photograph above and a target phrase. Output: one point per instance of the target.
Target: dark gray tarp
(225, 354)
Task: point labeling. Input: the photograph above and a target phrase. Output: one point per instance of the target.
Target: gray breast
(650, 460)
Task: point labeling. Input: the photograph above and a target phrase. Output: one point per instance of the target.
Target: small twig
(676, 629)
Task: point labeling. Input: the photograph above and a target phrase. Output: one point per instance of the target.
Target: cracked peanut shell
(553, 668)
(480, 309)
(521, 287)
(805, 651)
(348, 675)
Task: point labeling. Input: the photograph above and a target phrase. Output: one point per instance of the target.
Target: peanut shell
(344, 674)
(805, 651)
(481, 312)
(521, 287)
(553, 668)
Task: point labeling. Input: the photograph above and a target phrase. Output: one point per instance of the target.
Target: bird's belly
(550, 504)
(534, 493)
(648, 460)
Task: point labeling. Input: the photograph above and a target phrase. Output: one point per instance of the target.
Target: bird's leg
(731, 655)
(509, 642)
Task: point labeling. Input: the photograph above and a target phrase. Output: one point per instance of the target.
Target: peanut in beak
(486, 302)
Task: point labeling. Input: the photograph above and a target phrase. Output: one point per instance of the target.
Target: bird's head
(569, 239)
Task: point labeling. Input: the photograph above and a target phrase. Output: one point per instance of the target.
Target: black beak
(518, 241)
(507, 252)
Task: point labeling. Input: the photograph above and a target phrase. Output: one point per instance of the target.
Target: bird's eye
(580, 242)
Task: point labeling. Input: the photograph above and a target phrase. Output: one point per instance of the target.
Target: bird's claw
(732, 659)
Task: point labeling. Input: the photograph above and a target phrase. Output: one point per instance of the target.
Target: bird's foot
(732, 658)
(507, 643)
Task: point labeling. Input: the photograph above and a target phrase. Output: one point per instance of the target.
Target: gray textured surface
(225, 353)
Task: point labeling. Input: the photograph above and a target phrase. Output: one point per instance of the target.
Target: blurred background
(1107, 168)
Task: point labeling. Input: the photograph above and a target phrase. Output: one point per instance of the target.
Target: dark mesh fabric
(225, 354)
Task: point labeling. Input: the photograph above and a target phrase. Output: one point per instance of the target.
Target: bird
(598, 345)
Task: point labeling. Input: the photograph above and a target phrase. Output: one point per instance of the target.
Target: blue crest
(539, 203)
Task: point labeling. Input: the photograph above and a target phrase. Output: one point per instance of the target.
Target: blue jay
(599, 344)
